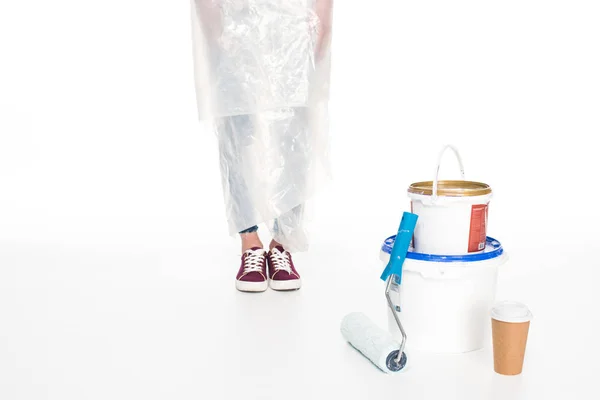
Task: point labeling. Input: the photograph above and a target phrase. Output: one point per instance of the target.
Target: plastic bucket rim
(497, 251)
(428, 199)
(450, 188)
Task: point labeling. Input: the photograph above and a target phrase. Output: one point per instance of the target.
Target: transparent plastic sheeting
(262, 72)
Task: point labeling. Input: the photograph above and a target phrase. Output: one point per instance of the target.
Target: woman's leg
(290, 160)
(250, 238)
(288, 223)
(235, 133)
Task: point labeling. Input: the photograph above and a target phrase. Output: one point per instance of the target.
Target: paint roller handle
(401, 245)
(392, 307)
(437, 169)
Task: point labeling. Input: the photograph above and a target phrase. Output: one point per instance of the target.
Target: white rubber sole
(293, 284)
(243, 286)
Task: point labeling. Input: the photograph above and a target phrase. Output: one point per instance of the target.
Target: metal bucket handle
(437, 169)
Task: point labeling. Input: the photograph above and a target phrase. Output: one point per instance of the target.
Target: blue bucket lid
(493, 249)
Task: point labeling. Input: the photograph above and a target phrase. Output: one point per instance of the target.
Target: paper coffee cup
(510, 327)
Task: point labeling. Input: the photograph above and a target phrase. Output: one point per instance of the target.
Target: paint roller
(374, 343)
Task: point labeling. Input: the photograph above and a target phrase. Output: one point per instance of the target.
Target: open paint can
(453, 214)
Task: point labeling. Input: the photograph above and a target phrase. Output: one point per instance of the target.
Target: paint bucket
(446, 300)
(453, 214)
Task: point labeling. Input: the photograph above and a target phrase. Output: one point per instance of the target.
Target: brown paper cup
(510, 328)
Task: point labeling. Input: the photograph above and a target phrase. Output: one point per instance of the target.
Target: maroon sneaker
(282, 273)
(252, 276)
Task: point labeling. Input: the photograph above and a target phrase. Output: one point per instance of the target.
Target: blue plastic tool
(401, 245)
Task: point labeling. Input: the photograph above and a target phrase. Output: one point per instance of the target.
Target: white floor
(156, 316)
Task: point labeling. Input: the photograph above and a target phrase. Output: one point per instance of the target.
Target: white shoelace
(281, 261)
(254, 260)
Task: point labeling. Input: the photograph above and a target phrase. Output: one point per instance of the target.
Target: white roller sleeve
(373, 342)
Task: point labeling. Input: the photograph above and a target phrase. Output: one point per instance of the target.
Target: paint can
(445, 300)
(453, 214)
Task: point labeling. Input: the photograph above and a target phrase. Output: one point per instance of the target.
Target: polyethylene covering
(262, 82)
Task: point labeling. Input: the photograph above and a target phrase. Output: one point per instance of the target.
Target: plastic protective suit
(262, 82)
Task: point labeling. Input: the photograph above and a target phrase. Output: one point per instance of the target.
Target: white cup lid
(511, 311)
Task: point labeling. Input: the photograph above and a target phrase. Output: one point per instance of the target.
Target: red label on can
(477, 235)
(413, 236)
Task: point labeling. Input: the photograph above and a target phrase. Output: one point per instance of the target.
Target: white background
(116, 270)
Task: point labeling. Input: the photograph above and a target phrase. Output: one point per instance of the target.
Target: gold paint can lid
(451, 188)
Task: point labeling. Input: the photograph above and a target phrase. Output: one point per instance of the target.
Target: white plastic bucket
(445, 301)
(453, 214)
